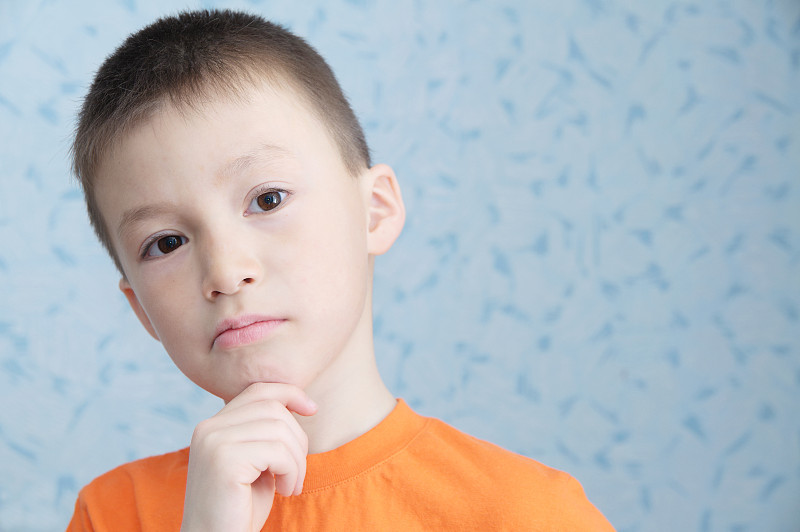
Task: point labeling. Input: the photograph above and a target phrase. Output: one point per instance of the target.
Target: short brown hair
(184, 59)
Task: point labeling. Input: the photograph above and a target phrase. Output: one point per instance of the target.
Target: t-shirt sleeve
(561, 504)
(107, 504)
(81, 522)
(578, 512)
(545, 499)
(142, 496)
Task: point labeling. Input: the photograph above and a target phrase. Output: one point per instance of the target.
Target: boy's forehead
(265, 128)
(278, 111)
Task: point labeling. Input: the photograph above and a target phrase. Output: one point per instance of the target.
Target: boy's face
(240, 213)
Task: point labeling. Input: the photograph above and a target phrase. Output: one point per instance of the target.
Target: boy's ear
(133, 301)
(386, 210)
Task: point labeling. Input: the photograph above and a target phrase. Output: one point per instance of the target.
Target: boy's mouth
(244, 330)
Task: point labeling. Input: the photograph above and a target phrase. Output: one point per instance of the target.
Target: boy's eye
(267, 201)
(164, 245)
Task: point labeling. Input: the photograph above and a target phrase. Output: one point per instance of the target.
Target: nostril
(217, 287)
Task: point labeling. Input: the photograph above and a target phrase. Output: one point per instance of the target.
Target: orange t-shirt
(408, 473)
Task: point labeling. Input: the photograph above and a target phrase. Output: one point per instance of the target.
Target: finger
(266, 431)
(275, 459)
(292, 397)
(262, 410)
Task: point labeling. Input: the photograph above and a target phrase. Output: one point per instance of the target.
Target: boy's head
(186, 60)
(224, 189)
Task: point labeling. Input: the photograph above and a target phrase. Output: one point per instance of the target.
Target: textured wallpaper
(600, 269)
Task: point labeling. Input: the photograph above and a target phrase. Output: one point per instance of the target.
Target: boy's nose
(228, 268)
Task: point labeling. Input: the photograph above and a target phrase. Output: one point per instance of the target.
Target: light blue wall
(601, 267)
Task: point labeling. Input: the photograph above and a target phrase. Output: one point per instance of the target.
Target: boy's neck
(354, 409)
(351, 395)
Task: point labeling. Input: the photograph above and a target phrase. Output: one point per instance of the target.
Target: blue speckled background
(601, 267)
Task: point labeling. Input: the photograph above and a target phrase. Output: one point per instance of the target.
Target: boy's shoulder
(164, 469)
(516, 491)
(457, 451)
(134, 493)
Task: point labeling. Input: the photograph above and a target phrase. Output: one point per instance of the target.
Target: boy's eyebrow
(264, 153)
(133, 216)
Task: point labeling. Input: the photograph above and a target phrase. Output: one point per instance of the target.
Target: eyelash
(150, 242)
(266, 188)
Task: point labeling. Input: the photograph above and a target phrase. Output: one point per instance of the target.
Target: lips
(244, 330)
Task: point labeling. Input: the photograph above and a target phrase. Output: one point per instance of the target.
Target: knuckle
(275, 430)
(271, 407)
(201, 430)
(206, 436)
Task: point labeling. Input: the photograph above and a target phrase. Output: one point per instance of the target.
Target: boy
(228, 178)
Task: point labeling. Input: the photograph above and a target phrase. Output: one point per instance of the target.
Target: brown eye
(269, 200)
(168, 244)
(164, 245)
(266, 199)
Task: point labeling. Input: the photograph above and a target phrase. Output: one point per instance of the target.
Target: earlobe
(133, 301)
(387, 213)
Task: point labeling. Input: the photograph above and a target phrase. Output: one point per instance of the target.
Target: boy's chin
(234, 391)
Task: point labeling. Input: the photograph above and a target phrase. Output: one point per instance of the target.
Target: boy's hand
(242, 455)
